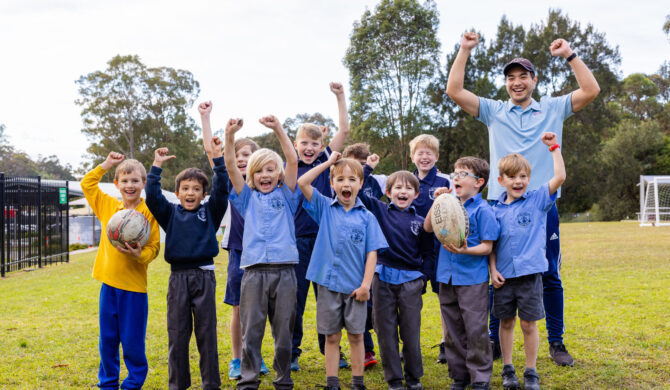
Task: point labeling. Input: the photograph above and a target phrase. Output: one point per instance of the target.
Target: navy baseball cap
(522, 62)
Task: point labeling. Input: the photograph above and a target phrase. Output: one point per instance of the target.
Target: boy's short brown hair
(359, 151)
(478, 166)
(128, 166)
(403, 176)
(242, 142)
(339, 166)
(512, 164)
(192, 174)
(311, 131)
(427, 140)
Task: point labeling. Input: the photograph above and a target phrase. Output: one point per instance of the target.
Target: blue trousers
(305, 246)
(552, 286)
(123, 320)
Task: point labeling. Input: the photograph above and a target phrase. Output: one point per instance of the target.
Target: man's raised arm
(464, 98)
(588, 86)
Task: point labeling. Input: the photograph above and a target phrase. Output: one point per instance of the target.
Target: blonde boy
(425, 150)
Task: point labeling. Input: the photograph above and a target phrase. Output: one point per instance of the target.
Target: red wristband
(554, 147)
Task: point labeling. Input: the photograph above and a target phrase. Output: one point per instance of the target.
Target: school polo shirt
(232, 235)
(374, 186)
(467, 270)
(269, 235)
(513, 129)
(522, 244)
(344, 240)
(427, 187)
(304, 224)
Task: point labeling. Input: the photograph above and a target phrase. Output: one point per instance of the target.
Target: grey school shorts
(335, 311)
(524, 293)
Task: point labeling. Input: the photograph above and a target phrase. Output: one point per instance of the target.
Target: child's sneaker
(358, 387)
(509, 379)
(531, 380)
(396, 385)
(343, 361)
(294, 364)
(370, 360)
(264, 369)
(560, 355)
(234, 370)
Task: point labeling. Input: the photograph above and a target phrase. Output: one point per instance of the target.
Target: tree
(666, 25)
(392, 57)
(51, 168)
(291, 126)
(133, 109)
(634, 150)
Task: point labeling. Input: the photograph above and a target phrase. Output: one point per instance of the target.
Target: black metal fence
(34, 222)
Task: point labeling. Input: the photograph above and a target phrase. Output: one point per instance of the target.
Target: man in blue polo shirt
(515, 126)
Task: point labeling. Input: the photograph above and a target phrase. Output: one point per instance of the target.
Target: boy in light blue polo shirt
(464, 279)
(343, 261)
(519, 259)
(267, 200)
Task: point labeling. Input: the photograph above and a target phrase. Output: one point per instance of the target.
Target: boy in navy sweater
(400, 277)
(190, 248)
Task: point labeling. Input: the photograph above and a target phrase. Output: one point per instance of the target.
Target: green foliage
(133, 109)
(632, 151)
(392, 57)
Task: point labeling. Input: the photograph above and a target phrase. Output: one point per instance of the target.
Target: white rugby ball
(450, 220)
(129, 226)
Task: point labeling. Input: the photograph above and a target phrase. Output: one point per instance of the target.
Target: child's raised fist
(205, 108)
(271, 122)
(372, 161)
(161, 156)
(334, 157)
(216, 147)
(336, 88)
(233, 125)
(549, 139)
(113, 158)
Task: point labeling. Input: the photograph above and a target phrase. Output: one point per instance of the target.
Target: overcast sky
(250, 57)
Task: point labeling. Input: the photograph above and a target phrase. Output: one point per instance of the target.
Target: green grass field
(617, 290)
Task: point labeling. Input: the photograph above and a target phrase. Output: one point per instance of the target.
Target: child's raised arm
(205, 108)
(337, 142)
(555, 182)
(236, 177)
(291, 170)
(305, 181)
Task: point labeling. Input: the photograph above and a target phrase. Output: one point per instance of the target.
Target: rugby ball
(129, 226)
(450, 220)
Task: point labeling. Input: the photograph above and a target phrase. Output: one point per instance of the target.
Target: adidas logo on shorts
(553, 237)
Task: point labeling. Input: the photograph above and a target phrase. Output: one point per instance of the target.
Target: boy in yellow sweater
(124, 304)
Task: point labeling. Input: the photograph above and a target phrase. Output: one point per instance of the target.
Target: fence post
(2, 224)
(67, 222)
(39, 222)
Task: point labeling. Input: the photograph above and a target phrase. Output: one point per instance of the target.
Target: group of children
(318, 217)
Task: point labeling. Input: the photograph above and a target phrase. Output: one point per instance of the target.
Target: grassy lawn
(617, 289)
